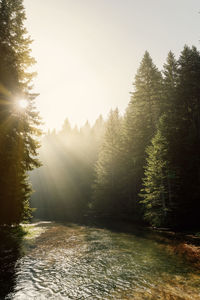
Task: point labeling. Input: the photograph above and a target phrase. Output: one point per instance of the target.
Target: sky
(88, 51)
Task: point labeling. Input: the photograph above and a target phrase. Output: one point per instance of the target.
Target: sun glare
(23, 103)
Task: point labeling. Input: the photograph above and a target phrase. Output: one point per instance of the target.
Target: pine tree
(139, 127)
(170, 81)
(18, 127)
(106, 190)
(161, 179)
(187, 136)
(171, 182)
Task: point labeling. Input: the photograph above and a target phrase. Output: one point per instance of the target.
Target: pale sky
(88, 51)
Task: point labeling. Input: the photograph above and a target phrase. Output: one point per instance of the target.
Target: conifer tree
(139, 127)
(106, 190)
(187, 135)
(170, 81)
(18, 126)
(161, 179)
(171, 182)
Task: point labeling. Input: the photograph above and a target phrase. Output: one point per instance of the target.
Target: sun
(23, 103)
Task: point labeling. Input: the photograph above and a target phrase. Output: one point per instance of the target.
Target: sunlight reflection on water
(80, 262)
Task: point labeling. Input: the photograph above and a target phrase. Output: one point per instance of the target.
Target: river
(69, 261)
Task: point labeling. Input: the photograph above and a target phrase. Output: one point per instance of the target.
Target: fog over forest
(142, 166)
(108, 209)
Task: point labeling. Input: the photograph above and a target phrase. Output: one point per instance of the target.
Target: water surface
(69, 261)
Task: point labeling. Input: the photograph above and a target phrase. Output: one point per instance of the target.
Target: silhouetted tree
(18, 127)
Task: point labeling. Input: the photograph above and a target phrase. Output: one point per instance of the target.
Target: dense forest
(108, 210)
(143, 166)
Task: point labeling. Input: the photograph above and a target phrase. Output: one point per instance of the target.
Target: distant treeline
(143, 166)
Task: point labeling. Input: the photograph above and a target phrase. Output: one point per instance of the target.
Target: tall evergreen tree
(170, 81)
(161, 180)
(18, 126)
(187, 135)
(171, 182)
(139, 127)
(106, 190)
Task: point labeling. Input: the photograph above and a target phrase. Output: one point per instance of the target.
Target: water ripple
(76, 262)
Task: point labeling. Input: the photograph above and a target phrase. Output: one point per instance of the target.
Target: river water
(69, 261)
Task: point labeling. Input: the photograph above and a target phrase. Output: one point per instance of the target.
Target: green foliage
(18, 127)
(106, 189)
(139, 127)
(160, 177)
(177, 138)
(143, 166)
(170, 81)
(187, 137)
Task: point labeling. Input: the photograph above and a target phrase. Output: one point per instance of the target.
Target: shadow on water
(10, 252)
(137, 229)
(92, 260)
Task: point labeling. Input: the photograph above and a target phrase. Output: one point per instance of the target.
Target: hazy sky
(88, 51)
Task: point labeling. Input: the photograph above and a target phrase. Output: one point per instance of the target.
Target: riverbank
(185, 244)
